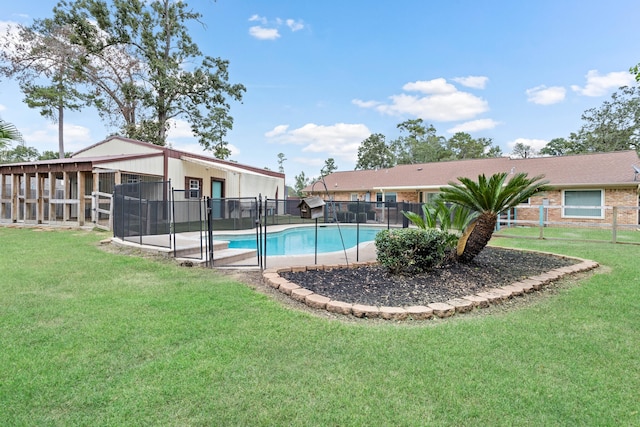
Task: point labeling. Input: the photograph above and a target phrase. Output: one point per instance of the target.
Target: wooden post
(15, 188)
(3, 196)
(66, 208)
(39, 197)
(614, 222)
(541, 219)
(52, 196)
(24, 182)
(95, 197)
(82, 202)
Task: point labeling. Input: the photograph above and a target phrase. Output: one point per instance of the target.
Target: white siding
(254, 185)
(116, 146)
(145, 166)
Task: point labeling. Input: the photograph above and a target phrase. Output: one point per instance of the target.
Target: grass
(95, 338)
(624, 234)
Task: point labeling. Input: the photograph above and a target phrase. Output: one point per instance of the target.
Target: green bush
(413, 251)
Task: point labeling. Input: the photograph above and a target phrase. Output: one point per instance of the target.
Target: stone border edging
(490, 296)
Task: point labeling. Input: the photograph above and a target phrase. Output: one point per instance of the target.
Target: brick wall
(612, 197)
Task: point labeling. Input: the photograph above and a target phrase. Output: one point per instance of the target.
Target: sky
(321, 76)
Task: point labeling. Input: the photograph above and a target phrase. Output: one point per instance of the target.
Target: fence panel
(234, 213)
(617, 224)
(142, 209)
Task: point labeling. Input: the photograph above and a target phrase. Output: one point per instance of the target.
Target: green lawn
(94, 338)
(624, 234)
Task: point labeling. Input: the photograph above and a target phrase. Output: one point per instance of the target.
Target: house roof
(183, 155)
(67, 164)
(81, 163)
(597, 169)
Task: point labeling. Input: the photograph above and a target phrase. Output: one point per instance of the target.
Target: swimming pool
(301, 240)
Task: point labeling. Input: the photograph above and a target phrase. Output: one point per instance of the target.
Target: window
(431, 196)
(193, 188)
(354, 197)
(389, 199)
(592, 200)
(128, 178)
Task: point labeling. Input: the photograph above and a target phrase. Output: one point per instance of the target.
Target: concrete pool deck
(164, 244)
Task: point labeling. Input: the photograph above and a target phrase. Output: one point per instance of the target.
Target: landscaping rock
(393, 313)
(442, 310)
(461, 305)
(339, 307)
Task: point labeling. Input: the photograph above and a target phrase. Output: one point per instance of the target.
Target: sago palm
(489, 198)
(8, 133)
(437, 213)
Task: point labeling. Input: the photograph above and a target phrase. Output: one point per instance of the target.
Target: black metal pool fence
(141, 209)
(152, 213)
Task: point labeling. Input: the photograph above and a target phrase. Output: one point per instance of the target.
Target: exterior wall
(144, 166)
(255, 185)
(236, 184)
(408, 196)
(618, 197)
(116, 146)
(345, 196)
(531, 212)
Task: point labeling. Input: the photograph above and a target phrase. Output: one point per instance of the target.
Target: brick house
(584, 186)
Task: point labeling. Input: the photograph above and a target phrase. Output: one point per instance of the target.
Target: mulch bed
(374, 285)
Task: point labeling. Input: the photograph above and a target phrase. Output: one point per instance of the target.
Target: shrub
(413, 251)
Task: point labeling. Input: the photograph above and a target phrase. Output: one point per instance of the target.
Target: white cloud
(544, 95)
(258, 18)
(434, 86)
(262, 33)
(295, 25)
(442, 107)
(475, 82)
(46, 138)
(180, 129)
(474, 126)
(536, 144)
(269, 29)
(340, 140)
(10, 33)
(278, 130)
(196, 148)
(598, 85)
(192, 147)
(2, 107)
(365, 104)
(443, 102)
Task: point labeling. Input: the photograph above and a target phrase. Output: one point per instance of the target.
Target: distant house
(582, 185)
(68, 190)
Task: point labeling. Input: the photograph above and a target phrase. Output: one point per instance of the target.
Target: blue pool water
(301, 240)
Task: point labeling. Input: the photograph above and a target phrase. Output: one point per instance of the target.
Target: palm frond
(9, 133)
(493, 194)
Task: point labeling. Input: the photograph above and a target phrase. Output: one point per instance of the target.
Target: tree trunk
(60, 131)
(479, 237)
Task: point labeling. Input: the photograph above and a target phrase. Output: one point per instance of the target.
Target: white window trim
(197, 188)
(601, 207)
